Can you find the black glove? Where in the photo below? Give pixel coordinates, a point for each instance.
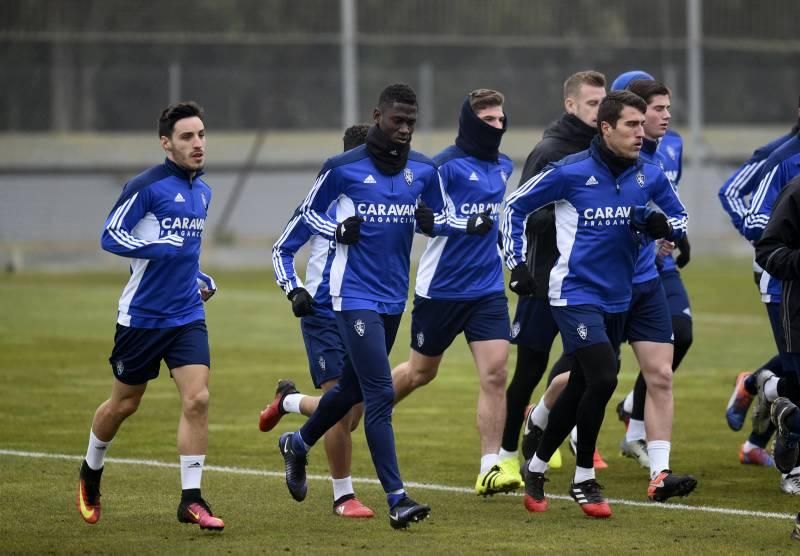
(348, 232)
(302, 302)
(657, 226)
(480, 224)
(522, 282)
(423, 214)
(685, 252)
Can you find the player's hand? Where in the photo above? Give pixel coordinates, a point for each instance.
(302, 305)
(665, 247)
(480, 224)
(348, 232)
(206, 293)
(652, 222)
(423, 214)
(522, 282)
(685, 252)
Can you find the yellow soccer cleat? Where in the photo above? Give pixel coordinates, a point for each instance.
(555, 460)
(510, 466)
(497, 480)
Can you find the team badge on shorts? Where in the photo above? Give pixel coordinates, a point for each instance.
(120, 367)
(583, 332)
(420, 339)
(515, 330)
(321, 363)
(360, 327)
(409, 176)
(640, 179)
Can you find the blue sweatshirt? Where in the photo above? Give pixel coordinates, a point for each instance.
(598, 249)
(158, 222)
(669, 155)
(460, 266)
(373, 273)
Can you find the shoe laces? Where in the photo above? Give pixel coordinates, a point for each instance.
(793, 479)
(592, 490)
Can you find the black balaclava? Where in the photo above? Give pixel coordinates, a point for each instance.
(389, 157)
(476, 137)
(617, 164)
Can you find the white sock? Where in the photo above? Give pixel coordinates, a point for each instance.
(536, 465)
(504, 455)
(627, 404)
(749, 446)
(342, 487)
(794, 471)
(658, 452)
(574, 435)
(635, 431)
(540, 415)
(487, 461)
(771, 389)
(96, 452)
(191, 471)
(291, 403)
(583, 474)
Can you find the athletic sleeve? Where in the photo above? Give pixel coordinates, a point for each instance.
(776, 251)
(664, 196)
(542, 189)
(294, 236)
(206, 281)
(326, 189)
(435, 196)
(732, 195)
(118, 238)
(762, 201)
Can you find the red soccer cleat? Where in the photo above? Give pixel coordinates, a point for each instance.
(351, 506)
(756, 456)
(589, 494)
(88, 501)
(272, 414)
(597, 460)
(199, 512)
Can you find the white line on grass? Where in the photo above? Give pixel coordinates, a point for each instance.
(424, 486)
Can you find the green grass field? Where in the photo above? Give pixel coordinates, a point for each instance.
(55, 337)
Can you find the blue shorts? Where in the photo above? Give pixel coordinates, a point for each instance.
(533, 325)
(677, 298)
(649, 319)
(326, 354)
(435, 323)
(585, 325)
(138, 352)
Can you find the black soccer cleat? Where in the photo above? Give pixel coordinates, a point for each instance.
(295, 467)
(88, 501)
(534, 499)
(406, 511)
(667, 484)
(531, 435)
(589, 495)
(786, 446)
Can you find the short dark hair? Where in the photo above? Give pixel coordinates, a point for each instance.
(647, 89)
(397, 92)
(484, 98)
(611, 107)
(355, 135)
(590, 77)
(175, 112)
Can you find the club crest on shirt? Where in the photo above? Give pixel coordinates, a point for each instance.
(515, 330)
(583, 332)
(321, 363)
(504, 176)
(671, 152)
(409, 176)
(640, 179)
(120, 368)
(360, 327)
(420, 339)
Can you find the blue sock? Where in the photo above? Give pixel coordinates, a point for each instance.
(393, 498)
(298, 444)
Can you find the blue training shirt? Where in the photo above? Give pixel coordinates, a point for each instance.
(158, 222)
(460, 266)
(373, 273)
(597, 247)
(669, 155)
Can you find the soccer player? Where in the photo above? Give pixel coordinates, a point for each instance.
(534, 329)
(599, 195)
(158, 223)
(376, 194)
(326, 354)
(459, 285)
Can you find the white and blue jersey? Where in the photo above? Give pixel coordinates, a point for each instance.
(597, 247)
(373, 273)
(760, 211)
(735, 192)
(158, 222)
(461, 267)
(669, 155)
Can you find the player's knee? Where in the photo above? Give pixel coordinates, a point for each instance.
(421, 376)
(196, 403)
(494, 378)
(682, 328)
(659, 378)
(355, 416)
(121, 409)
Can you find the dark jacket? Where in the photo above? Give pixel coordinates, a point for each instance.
(565, 136)
(778, 252)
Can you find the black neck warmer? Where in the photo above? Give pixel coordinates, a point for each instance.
(616, 164)
(476, 137)
(389, 157)
(649, 146)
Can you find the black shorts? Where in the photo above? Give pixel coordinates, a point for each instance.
(138, 352)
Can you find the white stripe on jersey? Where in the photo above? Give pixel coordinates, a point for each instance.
(316, 263)
(566, 228)
(277, 261)
(428, 264)
(344, 209)
(314, 220)
(138, 266)
(121, 211)
(733, 191)
(758, 197)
